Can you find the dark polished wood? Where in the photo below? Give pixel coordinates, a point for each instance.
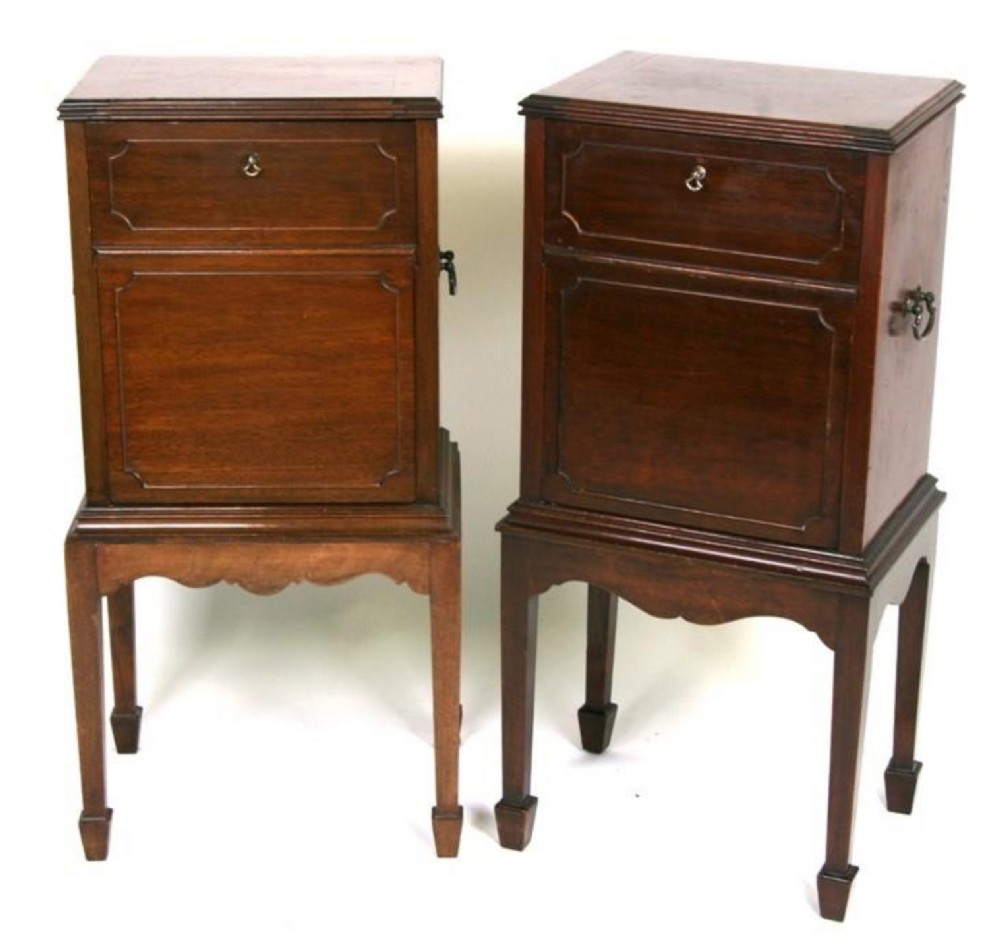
(721, 415)
(337, 184)
(255, 257)
(790, 210)
(86, 629)
(126, 716)
(234, 87)
(668, 577)
(903, 771)
(830, 107)
(638, 349)
(443, 576)
(597, 715)
(329, 415)
(916, 183)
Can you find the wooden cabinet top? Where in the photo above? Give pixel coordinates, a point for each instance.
(856, 110)
(212, 89)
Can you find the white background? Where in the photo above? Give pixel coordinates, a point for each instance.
(283, 790)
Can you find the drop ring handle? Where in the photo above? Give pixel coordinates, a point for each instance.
(920, 307)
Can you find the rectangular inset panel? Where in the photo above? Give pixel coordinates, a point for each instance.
(695, 403)
(640, 193)
(291, 379)
(260, 184)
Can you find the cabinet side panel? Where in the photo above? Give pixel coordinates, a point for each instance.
(88, 331)
(533, 374)
(426, 315)
(916, 211)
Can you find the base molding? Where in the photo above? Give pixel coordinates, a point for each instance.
(819, 567)
(290, 522)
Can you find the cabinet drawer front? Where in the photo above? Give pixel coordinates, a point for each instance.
(769, 208)
(702, 405)
(254, 184)
(286, 379)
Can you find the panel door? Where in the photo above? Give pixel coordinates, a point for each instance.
(272, 378)
(712, 402)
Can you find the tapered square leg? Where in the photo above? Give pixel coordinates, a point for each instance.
(126, 716)
(446, 630)
(903, 770)
(851, 672)
(597, 716)
(515, 812)
(86, 634)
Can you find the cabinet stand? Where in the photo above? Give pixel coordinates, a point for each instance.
(665, 570)
(732, 280)
(263, 550)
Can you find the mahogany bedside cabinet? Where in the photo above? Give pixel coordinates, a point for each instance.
(731, 305)
(256, 268)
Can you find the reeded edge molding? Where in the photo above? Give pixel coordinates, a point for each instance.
(838, 570)
(741, 126)
(210, 110)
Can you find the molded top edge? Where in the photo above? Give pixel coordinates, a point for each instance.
(865, 111)
(124, 87)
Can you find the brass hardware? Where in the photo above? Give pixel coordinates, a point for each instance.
(913, 313)
(251, 165)
(448, 266)
(696, 179)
